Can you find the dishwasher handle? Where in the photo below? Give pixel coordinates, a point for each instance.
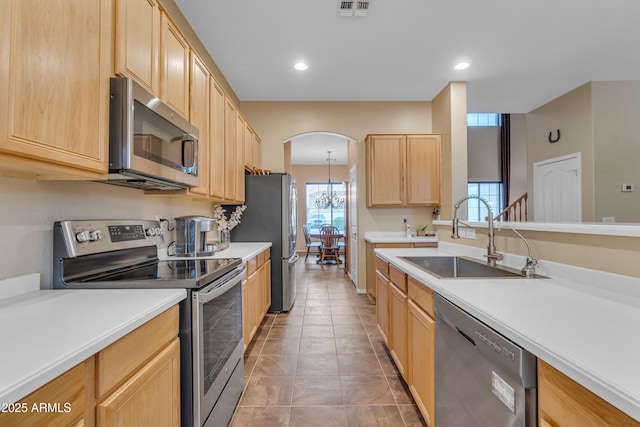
(467, 337)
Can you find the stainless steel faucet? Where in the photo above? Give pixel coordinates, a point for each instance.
(492, 255)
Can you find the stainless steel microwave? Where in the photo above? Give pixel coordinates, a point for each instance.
(151, 146)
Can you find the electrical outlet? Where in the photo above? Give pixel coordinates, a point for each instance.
(471, 233)
(158, 217)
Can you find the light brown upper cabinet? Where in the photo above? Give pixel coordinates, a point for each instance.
(230, 149)
(174, 70)
(249, 140)
(200, 117)
(257, 152)
(217, 141)
(137, 42)
(55, 63)
(239, 168)
(403, 170)
(151, 49)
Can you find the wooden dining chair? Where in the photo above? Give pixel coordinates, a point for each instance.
(309, 243)
(329, 248)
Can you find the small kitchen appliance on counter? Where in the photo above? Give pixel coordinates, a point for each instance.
(124, 254)
(191, 235)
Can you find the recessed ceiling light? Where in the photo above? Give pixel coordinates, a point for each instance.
(462, 66)
(301, 66)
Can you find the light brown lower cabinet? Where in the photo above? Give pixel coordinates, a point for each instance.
(398, 328)
(256, 294)
(563, 402)
(421, 340)
(398, 319)
(148, 398)
(372, 263)
(382, 305)
(67, 391)
(133, 382)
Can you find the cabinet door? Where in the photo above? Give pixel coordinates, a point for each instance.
(421, 346)
(67, 391)
(257, 152)
(398, 328)
(249, 140)
(563, 402)
(385, 172)
(137, 42)
(217, 142)
(239, 169)
(423, 170)
(230, 176)
(174, 78)
(382, 305)
(55, 63)
(246, 314)
(200, 116)
(267, 285)
(150, 397)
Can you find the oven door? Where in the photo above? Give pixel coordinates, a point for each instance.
(217, 344)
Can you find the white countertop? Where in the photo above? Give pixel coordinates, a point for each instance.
(396, 237)
(244, 250)
(47, 332)
(583, 322)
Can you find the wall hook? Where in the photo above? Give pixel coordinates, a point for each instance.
(557, 138)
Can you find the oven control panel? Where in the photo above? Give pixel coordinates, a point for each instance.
(84, 237)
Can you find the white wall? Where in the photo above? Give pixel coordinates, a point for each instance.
(29, 209)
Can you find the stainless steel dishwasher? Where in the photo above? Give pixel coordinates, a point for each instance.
(482, 378)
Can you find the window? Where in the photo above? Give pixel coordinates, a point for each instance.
(316, 216)
(492, 192)
(483, 119)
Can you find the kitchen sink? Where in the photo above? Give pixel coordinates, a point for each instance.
(455, 267)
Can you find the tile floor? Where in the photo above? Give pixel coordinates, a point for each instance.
(323, 363)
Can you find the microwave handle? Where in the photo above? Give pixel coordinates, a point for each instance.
(185, 140)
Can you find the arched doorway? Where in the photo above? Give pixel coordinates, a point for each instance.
(320, 162)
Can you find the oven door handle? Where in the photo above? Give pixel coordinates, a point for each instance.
(215, 290)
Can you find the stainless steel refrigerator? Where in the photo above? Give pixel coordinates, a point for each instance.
(271, 216)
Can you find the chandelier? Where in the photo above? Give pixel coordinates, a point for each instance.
(330, 198)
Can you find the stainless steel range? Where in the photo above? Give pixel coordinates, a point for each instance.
(124, 254)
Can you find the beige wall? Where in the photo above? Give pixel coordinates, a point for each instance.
(571, 113)
(616, 110)
(450, 120)
(29, 209)
(276, 122)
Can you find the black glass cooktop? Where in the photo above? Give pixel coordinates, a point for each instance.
(178, 273)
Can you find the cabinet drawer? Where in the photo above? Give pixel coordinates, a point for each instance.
(382, 266)
(67, 391)
(252, 265)
(421, 295)
(129, 353)
(398, 278)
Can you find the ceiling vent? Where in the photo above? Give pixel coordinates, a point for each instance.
(353, 8)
